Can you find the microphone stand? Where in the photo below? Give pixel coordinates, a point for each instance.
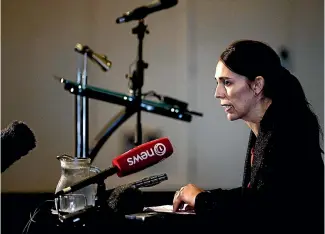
(81, 112)
(137, 78)
(168, 107)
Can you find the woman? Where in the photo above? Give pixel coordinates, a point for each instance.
(282, 187)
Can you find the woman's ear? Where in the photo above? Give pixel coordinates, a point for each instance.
(258, 85)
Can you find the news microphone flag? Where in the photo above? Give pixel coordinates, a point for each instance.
(132, 161)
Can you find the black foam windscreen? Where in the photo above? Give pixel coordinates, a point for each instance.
(16, 141)
(125, 199)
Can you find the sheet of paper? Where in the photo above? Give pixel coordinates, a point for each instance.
(169, 209)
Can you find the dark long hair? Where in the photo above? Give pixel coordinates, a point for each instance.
(251, 58)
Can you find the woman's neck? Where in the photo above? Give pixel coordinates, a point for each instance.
(258, 113)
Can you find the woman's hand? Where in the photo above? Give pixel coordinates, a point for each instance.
(187, 195)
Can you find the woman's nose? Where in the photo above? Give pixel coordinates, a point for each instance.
(219, 93)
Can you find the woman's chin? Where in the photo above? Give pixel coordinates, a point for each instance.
(232, 117)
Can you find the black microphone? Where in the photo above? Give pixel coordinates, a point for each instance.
(16, 141)
(150, 181)
(120, 201)
(125, 199)
(145, 182)
(101, 60)
(128, 198)
(143, 11)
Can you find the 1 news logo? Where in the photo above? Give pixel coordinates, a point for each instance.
(159, 149)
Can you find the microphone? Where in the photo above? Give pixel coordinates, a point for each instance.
(150, 181)
(128, 198)
(121, 200)
(143, 11)
(145, 182)
(101, 60)
(125, 199)
(16, 141)
(132, 161)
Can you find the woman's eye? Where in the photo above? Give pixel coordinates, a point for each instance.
(227, 83)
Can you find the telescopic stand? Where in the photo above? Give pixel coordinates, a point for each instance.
(137, 78)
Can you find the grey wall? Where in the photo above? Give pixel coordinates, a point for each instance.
(182, 48)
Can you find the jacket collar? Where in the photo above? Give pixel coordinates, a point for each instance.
(261, 146)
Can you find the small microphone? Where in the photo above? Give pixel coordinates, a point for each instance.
(150, 181)
(143, 11)
(132, 161)
(16, 141)
(101, 60)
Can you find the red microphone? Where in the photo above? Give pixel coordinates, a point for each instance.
(143, 156)
(132, 161)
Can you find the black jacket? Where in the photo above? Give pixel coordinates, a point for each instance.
(286, 178)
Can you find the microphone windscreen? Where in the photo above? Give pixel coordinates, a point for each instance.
(143, 156)
(16, 141)
(125, 199)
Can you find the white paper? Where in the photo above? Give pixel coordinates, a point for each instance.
(168, 209)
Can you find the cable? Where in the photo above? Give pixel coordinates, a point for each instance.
(153, 94)
(129, 76)
(32, 216)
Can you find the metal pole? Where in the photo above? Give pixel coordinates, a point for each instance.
(81, 111)
(85, 125)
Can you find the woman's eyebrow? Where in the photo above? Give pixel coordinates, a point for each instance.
(223, 78)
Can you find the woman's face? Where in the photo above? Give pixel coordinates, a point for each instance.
(235, 93)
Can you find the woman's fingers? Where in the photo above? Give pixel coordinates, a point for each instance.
(177, 201)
